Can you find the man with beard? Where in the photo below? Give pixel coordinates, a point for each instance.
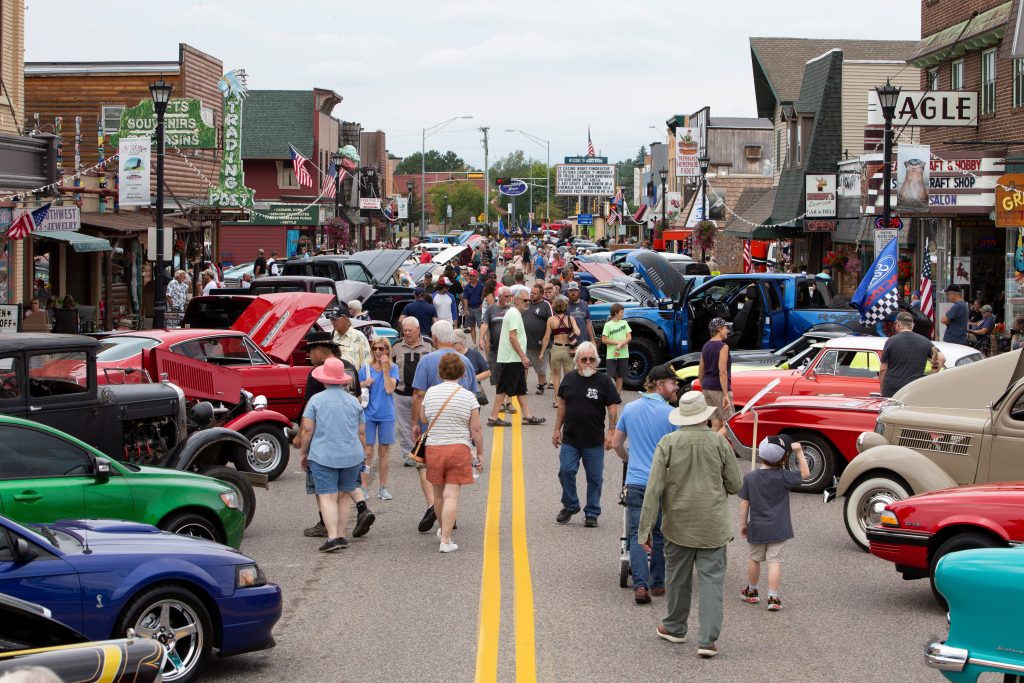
(490, 335)
(406, 354)
(580, 311)
(535, 319)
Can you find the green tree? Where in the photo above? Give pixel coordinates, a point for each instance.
(466, 199)
(434, 161)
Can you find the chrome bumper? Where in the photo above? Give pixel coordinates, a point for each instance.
(940, 656)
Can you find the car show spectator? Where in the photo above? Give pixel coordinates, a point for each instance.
(535, 320)
(955, 318)
(512, 365)
(259, 266)
(715, 372)
(560, 335)
(580, 312)
(352, 344)
(177, 298)
(615, 335)
(420, 309)
(444, 302)
(406, 355)
(380, 377)
(905, 356)
(490, 334)
(209, 282)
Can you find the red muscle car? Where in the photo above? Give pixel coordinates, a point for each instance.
(918, 531)
(846, 366)
(826, 427)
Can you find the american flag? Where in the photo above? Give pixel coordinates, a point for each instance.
(299, 165)
(590, 144)
(927, 300)
(391, 211)
(748, 261)
(329, 181)
(25, 224)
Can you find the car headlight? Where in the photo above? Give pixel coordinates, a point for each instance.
(259, 403)
(888, 518)
(230, 499)
(249, 576)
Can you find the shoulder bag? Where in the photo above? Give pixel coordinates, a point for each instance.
(419, 449)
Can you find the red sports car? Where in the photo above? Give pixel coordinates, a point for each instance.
(916, 532)
(827, 428)
(845, 366)
(264, 349)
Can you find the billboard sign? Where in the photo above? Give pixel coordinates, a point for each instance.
(595, 180)
(933, 108)
(820, 195)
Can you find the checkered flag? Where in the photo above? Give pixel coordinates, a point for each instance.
(886, 305)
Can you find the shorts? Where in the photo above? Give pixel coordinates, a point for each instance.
(538, 273)
(382, 432)
(327, 480)
(616, 367)
(561, 358)
(766, 552)
(449, 464)
(714, 398)
(511, 379)
(476, 315)
(539, 362)
(492, 362)
(310, 486)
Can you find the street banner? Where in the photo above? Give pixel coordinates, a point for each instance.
(585, 180)
(877, 295)
(687, 140)
(403, 207)
(820, 195)
(913, 171)
(674, 206)
(369, 202)
(133, 168)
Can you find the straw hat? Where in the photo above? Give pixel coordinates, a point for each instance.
(692, 410)
(331, 372)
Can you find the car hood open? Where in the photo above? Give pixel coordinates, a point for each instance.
(974, 386)
(603, 272)
(664, 281)
(443, 257)
(279, 322)
(382, 263)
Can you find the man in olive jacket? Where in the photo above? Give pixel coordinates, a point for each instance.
(693, 474)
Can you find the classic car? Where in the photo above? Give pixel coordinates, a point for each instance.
(961, 426)
(917, 532)
(102, 577)
(53, 379)
(982, 589)
(29, 637)
(845, 366)
(827, 427)
(46, 475)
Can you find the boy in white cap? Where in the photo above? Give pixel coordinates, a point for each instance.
(764, 513)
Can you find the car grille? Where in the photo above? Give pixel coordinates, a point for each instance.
(943, 442)
(232, 282)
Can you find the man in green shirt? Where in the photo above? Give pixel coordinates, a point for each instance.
(693, 474)
(512, 364)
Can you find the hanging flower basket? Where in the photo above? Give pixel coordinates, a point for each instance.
(834, 259)
(704, 235)
(853, 265)
(906, 269)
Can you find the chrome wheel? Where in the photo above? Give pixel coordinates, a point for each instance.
(197, 530)
(815, 461)
(265, 454)
(177, 627)
(866, 501)
(872, 503)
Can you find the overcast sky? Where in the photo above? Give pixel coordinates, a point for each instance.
(549, 67)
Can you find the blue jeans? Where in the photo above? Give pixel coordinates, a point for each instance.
(593, 464)
(654, 577)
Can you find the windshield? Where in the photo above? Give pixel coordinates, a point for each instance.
(119, 348)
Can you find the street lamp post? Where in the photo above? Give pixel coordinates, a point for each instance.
(704, 162)
(337, 158)
(409, 185)
(664, 204)
(887, 96)
(423, 169)
(547, 171)
(161, 93)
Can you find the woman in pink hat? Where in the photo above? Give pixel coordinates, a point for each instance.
(332, 444)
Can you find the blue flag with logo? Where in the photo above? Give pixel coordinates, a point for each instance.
(501, 228)
(877, 296)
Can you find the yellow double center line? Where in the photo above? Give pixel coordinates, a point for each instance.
(490, 585)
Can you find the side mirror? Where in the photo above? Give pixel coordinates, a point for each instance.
(23, 552)
(102, 470)
(812, 375)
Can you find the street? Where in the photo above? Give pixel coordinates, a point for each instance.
(392, 608)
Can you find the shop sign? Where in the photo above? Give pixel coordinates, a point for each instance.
(6, 217)
(183, 124)
(883, 237)
(1009, 201)
(231, 191)
(960, 184)
(62, 219)
(513, 188)
(913, 170)
(687, 141)
(133, 167)
(819, 226)
(369, 202)
(895, 223)
(820, 195)
(961, 270)
(10, 318)
(928, 108)
(586, 160)
(279, 213)
(585, 180)
(988, 242)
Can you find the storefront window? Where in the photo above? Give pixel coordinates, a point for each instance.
(42, 286)
(5, 271)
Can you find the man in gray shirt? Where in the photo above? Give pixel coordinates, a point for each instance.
(904, 356)
(535, 320)
(955, 318)
(579, 310)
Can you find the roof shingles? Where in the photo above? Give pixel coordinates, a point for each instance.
(271, 119)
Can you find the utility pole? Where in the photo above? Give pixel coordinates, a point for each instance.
(487, 183)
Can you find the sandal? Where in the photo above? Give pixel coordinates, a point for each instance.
(534, 420)
(540, 389)
(509, 408)
(498, 422)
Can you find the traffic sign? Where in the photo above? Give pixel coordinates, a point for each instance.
(585, 219)
(895, 223)
(475, 176)
(513, 187)
(501, 181)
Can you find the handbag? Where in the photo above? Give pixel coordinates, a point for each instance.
(481, 397)
(419, 449)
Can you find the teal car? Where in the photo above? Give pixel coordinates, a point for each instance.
(47, 475)
(983, 590)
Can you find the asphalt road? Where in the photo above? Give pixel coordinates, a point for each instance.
(392, 608)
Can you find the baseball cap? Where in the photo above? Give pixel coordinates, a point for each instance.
(442, 282)
(718, 323)
(905, 318)
(661, 372)
(340, 313)
(774, 448)
(573, 285)
(419, 291)
(953, 288)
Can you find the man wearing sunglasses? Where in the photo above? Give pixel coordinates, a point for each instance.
(587, 395)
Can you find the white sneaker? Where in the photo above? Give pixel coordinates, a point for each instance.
(448, 547)
(384, 494)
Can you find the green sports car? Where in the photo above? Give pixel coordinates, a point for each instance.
(46, 475)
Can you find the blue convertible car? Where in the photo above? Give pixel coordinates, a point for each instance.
(104, 577)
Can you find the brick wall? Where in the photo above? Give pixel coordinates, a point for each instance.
(12, 65)
(728, 250)
(939, 14)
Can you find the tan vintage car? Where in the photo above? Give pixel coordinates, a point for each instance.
(961, 426)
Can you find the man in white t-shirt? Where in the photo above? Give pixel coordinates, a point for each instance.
(209, 282)
(444, 303)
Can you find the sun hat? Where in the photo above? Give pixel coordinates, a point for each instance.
(692, 410)
(331, 372)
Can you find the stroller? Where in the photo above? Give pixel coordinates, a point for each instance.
(625, 567)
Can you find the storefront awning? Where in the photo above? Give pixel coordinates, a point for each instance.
(129, 221)
(81, 243)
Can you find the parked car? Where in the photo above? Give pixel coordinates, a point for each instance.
(953, 428)
(917, 532)
(233, 276)
(46, 475)
(52, 379)
(982, 588)
(29, 637)
(103, 577)
(844, 366)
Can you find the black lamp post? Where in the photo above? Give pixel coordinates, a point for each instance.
(408, 217)
(161, 93)
(704, 162)
(446, 214)
(336, 159)
(664, 204)
(887, 96)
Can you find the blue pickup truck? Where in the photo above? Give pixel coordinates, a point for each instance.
(768, 310)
